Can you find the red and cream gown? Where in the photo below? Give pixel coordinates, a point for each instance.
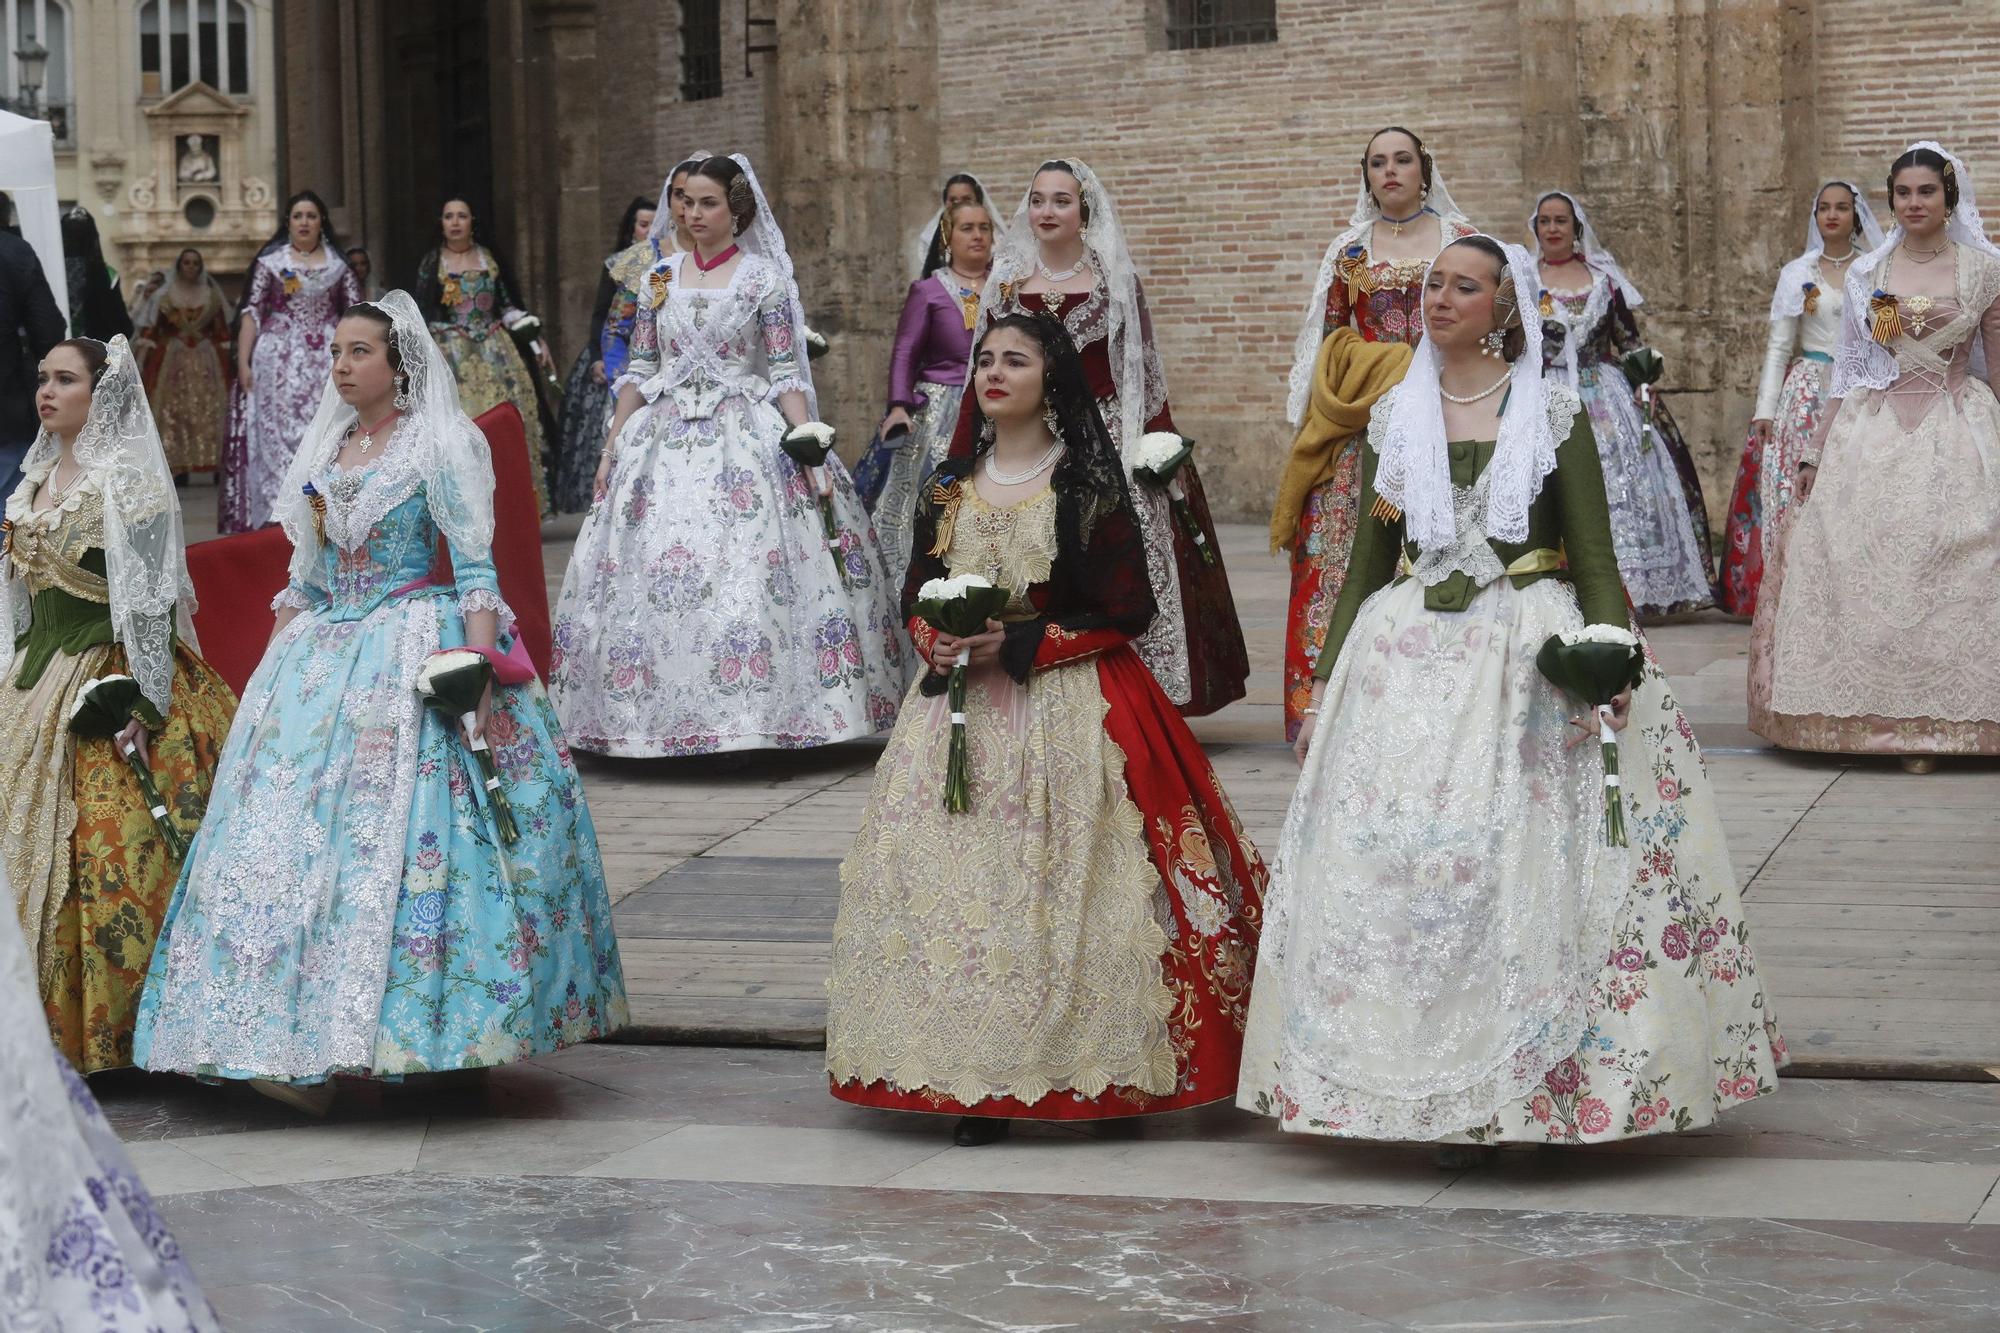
(1194, 646)
(1382, 300)
(1080, 943)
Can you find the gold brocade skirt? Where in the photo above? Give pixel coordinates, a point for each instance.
(91, 875)
(491, 372)
(191, 403)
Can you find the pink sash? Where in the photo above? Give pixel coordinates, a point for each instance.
(509, 668)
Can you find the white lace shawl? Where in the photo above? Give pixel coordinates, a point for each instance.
(1863, 363)
(1408, 434)
(1789, 300)
(435, 446)
(145, 553)
(1135, 360)
(1360, 231)
(1597, 256)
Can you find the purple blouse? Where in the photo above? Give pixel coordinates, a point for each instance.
(932, 342)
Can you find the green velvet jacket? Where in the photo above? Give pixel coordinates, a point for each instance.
(61, 622)
(1569, 515)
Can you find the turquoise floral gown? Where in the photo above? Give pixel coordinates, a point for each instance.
(347, 905)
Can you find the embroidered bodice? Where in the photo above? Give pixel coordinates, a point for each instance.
(471, 300)
(1381, 299)
(702, 347)
(284, 294)
(1012, 545)
(61, 546)
(381, 538)
(1598, 322)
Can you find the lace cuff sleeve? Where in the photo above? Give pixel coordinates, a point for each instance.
(486, 599)
(294, 597)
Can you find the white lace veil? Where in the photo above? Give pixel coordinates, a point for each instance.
(765, 239)
(145, 554)
(435, 446)
(1360, 231)
(663, 211)
(1597, 256)
(1863, 363)
(1135, 361)
(918, 249)
(1789, 300)
(1413, 472)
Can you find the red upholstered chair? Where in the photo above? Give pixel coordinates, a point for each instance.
(236, 577)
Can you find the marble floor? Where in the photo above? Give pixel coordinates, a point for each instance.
(623, 1187)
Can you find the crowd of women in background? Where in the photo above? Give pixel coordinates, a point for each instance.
(1474, 931)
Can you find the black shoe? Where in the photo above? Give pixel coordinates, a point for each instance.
(976, 1130)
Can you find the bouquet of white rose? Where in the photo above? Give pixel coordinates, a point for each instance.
(451, 683)
(104, 707)
(1596, 663)
(1158, 461)
(960, 607)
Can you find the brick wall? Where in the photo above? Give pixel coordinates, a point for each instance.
(1231, 169)
(1891, 71)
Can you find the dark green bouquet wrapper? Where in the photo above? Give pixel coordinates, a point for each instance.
(1644, 368)
(453, 692)
(810, 454)
(102, 709)
(1166, 475)
(961, 615)
(1596, 673)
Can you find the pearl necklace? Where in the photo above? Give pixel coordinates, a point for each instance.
(1041, 465)
(1487, 392)
(1067, 273)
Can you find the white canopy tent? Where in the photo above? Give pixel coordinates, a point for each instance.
(28, 176)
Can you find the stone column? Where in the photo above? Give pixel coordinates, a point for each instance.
(1686, 127)
(572, 255)
(854, 151)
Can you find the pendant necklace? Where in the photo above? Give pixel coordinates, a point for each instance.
(1925, 256)
(1040, 465)
(1396, 225)
(1066, 274)
(368, 435)
(1487, 392)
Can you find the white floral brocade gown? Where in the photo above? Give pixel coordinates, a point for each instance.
(705, 608)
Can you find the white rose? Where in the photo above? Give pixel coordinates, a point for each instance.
(450, 659)
(1156, 447)
(817, 431)
(1600, 634)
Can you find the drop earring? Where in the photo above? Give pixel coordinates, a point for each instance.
(1049, 420)
(402, 393)
(1494, 343)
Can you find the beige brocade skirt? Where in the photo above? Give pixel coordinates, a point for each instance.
(38, 788)
(1014, 949)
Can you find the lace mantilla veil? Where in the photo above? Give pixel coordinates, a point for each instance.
(1789, 300)
(1408, 433)
(1863, 363)
(434, 446)
(1135, 362)
(1597, 257)
(1360, 227)
(145, 552)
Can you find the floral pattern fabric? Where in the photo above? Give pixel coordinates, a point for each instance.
(348, 905)
(705, 608)
(488, 364)
(1676, 1027)
(296, 308)
(82, 1244)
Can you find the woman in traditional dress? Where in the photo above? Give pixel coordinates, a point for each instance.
(1805, 329)
(469, 296)
(628, 269)
(352, 903)
(82, 1244)
(184, 346)
(706, 609)
(363, 265)
(1451, 949)
(1658, 517)
(1367, 281)
(1077, 945)
(1064, 252)
(299, 284)
(587, 391)
(929, 242)
(926, 379)
(1875, 633)
(95, 584)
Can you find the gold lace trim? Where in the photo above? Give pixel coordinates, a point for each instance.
(47, 547)
(1013, 545)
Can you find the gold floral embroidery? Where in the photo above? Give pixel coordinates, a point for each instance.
(657, 283)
